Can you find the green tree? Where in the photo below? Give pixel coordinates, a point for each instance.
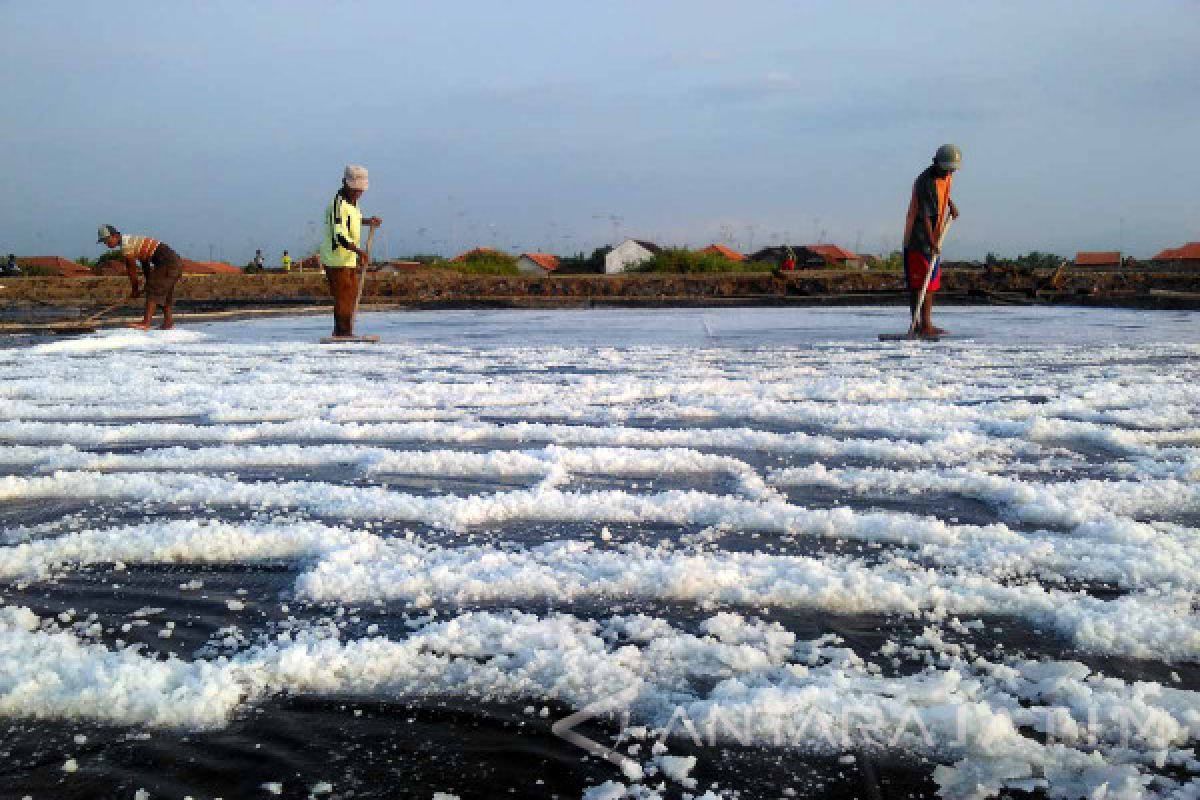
(485, 262)
(683, 261)
(580, 264)
(1038, 260)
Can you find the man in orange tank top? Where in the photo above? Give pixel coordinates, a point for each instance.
(926, 222)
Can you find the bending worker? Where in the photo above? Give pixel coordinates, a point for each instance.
(162, 265)
(341, 247)
(926, 222)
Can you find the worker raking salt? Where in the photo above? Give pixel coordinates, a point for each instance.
(162, 267)
(929, 211)
(342, 253)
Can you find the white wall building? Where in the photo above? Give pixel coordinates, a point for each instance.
(537, 263)
(627, 254)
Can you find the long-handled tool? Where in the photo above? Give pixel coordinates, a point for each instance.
(87, 325)
(362, 275)
(362, 281)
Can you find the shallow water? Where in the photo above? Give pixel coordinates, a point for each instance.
(246, 559)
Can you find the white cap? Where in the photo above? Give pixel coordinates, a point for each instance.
(355, 177)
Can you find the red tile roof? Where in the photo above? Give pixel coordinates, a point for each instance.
(1102, 258)
(209, 268)
(722, 250)
(546, 261)
(831, 252)
(1189, 252)
(112, 266)
(115, 266)
(58, 265)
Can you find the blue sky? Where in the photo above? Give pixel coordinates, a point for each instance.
(221, 127)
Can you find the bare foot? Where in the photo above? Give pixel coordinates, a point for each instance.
(141, 326)
(166, 326)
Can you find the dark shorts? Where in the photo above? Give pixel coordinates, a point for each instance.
(916, 267)
(166, 268)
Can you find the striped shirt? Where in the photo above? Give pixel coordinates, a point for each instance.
(139, 247)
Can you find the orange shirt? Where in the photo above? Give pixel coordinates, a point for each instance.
(930, 198)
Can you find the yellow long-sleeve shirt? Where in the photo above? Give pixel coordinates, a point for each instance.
(343, 225)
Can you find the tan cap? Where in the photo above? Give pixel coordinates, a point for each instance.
(355, 177)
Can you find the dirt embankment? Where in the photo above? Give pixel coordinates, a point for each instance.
(436, 288)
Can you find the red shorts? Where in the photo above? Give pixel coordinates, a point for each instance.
(916, 267)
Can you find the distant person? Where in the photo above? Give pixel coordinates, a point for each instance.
(286, 261)
(341, 247)
(10, 267)
(789, 259)
(258, 260)
(923, 228)
(161, 265)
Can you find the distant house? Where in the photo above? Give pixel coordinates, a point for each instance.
(537, 263)
(724, 252)
(208, 268)
(53, 265)
(775, 256)
(1187, 257)
(834, 256)
(1100, 259)
(116, 267)
(628, 254)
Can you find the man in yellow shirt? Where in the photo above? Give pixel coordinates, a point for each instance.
(286, 261)
(341, 247)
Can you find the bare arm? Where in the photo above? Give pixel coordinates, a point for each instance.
(927, 221)
(131, 269)
(370, 222)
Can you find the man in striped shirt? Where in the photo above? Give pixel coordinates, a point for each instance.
(161, 265)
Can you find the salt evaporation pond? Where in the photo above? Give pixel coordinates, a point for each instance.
(239, 564)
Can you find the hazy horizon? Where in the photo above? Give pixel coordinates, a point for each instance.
(224, 127)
